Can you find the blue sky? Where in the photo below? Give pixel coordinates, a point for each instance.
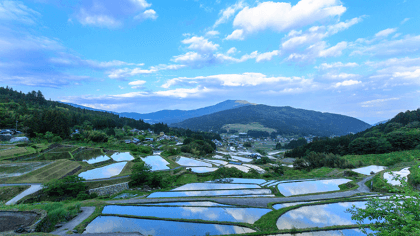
(357, 58)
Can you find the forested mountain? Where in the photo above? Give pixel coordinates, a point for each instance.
(286, 120)
(35, 114)
(174, 116)
(400, 133)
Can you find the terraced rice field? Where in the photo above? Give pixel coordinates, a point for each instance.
(55, 170)
(14, 151)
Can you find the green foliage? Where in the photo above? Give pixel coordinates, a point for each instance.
(172, 151)
(247, 144)
(57, 212)
(68, 186)
(140, 174)
(295, 143)
(139, 149)
(232, 172)
(261, 151)
(317, 160)
(400, 215)
(400, 133)
(199, 147)
(263, 160)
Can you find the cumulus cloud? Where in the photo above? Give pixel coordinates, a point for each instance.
(316, 50)
(236, 35)
(325, 66)
(282, 16)
(112, 14)
(333, 51)
(137, 84)
(341, 76)
(200, 44)
(347, 83)
(267, 56)
(230, 80)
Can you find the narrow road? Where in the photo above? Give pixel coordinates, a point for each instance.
(34, 188)
(256, 202)
(69, 226)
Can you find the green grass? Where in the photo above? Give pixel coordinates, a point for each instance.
(7, 193)
(15, 152)
(243, 128)
(55, 170)
(98, 184)
(172, 163)
(127, 169)
(387, 159)
(187, 178)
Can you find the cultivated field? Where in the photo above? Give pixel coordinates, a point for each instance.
(55, 170)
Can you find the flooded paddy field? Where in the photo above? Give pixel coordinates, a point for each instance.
(236, 214)
(109, 224)
(91, 156)
(122, 156)
(368, 169)
(156, 162)
(104, 172)
(210, 193)
(214, 186)
(306, 187)
(185, 161)
(319, 216)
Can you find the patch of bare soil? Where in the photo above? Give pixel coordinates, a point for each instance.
(11, 220)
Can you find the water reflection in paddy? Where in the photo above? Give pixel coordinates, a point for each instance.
(246, 215)
(389, 176)
(202, 169)
(283, 205)
(212, 186)
(243, 181)
(203, 203)
(156, 162)
(367, 169)
(210, 193)
(342, 232)
(97, 159)
(241, 159)
(108, 224)
(122, 156)
(289, 189)
(218, 162)
(104, 172)
(185, 161)
(319, 216)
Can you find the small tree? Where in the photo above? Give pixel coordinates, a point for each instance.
(140, 174)
(399, 215)
(68, 186)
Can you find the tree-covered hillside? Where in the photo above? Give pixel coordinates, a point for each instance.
(400, 133)
(286, 120)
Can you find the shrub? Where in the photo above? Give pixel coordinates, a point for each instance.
(68, 186)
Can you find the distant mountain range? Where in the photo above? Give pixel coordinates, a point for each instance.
(286, 120)
(174, 116)
(381, 122)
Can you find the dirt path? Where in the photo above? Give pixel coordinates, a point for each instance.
(256, 202)
(69, 226)
(34, 188)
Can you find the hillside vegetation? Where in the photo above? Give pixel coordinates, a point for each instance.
(286, 120)
(400, 133)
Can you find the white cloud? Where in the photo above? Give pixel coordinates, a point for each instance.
(267, 56)
(347, 83)
(231, 80)
(325, 66)
(406, 45)
(16, 11)
(127, 72)
(183, 92)
(408, 74)
(212, 33)
(137, 84)
(377, 102)
(281, 16)
(236, 35)
(341, 76)
(147, 14)
(227, 13)
(200, 44)
(405, 20)
(385, 32)
(112, 14)
(232, 50)
(333, 51)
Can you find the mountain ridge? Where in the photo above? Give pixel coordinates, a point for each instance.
(286, 120)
